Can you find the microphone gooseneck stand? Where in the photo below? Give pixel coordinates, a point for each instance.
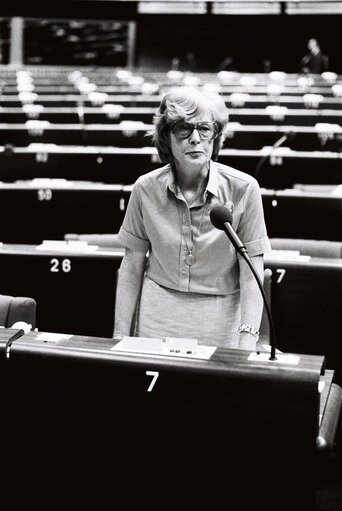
(287, 136)
(221, 218)
(273, 343)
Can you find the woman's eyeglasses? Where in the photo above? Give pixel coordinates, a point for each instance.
(206, 130)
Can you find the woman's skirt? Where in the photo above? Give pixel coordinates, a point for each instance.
(211, 319)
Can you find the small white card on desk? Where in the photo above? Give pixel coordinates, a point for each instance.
(337, 191)
(170, 346)
(181, 343)
(142, 343)
(288, 255)
(67, 246)
(281, 358)
(51, 337)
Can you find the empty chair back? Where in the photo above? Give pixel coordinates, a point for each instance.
(17, 308)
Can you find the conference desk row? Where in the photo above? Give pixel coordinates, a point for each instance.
(50, 208)
(315, 98)
(65, 126)
(45, 73)
(78, 82)
(154, 83)
(142, 422)
(282, 167)
(140, 109)
(74, 286)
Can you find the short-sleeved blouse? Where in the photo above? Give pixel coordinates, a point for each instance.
(159, 221)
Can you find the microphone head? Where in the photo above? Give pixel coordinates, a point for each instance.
(219, 215)
(290, 135)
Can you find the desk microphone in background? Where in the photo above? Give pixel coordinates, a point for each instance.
(221, 218)
(81, 120)
(289, 136)
(8, 149)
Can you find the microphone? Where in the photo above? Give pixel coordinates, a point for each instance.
(221, 218)
(288, 136)
(80, 115)
(8, 149)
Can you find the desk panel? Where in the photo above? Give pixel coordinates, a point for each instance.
(306, 298)
(137, 108)
(307, 138)
(98, 406)
(91, 163)
(109, 164)
(256, 110)
(282, 168)
(50, 209)
(70, 126)
(107, 114)
(295, 214)
(74, 291)
(42, 212)
(300, 117)
(234, 96)
(76, 134)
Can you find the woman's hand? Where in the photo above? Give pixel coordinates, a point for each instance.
(247, 341)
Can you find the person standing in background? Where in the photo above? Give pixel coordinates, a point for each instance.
(314, 61)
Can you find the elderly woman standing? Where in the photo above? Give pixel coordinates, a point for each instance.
(183, 275)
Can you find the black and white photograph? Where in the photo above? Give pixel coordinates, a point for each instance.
(171, 255)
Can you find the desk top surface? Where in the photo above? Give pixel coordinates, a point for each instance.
(222, 361)
(74, 248)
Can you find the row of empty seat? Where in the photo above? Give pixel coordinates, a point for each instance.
(74, 286)
(281, 168)
(69, 130)
(47, 209)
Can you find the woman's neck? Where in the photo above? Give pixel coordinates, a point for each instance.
(192, 179)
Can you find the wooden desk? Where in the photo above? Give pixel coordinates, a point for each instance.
(110, 164)
(96, 126)
(149, 422)
(306, 298)
(49, 209)
(76, 133)
(285, 167)
(307, 138)
(74, 289)
(294, 213)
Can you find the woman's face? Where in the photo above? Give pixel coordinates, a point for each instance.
(195, 150)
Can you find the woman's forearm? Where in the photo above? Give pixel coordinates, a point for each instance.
(127, 292)
(251, 301)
